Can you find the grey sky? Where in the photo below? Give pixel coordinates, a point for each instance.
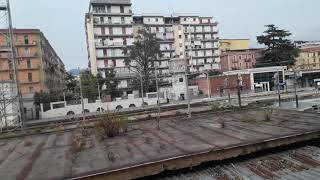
(62, 21)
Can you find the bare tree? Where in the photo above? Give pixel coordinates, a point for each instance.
(142, 57)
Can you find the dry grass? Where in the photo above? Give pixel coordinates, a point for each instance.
(111, 124)
(27, 144)
(268, 114)
(77, 144)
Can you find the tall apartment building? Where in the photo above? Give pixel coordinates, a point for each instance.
(111, 26)
(40, 68)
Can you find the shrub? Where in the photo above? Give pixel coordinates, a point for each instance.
(268, 114)
(111, 124)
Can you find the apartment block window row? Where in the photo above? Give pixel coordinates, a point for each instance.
(111, 9)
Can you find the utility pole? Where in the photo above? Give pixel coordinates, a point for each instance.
(15, 69)
(186, 73)
(277, 79)
(81, 95)
(226, 86)
(295, 89)
(141, 85)
(158, 95)
(239, 85)
(99, 91)
(209, 86)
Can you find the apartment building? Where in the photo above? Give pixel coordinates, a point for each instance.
(309, 58)
(239, 59)
(40, 68)
(111, 26)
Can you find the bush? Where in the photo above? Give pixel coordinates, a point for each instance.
(111, 124)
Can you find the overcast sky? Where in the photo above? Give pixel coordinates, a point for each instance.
(62, 21)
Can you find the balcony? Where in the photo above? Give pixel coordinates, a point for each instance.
(21, 43)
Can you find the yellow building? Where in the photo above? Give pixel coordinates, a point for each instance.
(309, 59)
(234, 44)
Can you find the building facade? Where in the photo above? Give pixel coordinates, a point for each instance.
(111, 27)
(40, 68)
(262, 79)
(234, 44)
(239, 59)
(309, 58)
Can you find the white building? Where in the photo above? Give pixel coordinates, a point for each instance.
(110, 27)
(262, 79)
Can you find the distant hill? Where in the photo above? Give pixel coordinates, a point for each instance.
(74, 72)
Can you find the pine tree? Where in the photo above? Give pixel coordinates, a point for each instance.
(280, 50)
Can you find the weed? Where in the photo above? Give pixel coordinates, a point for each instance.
(111, 156)
(27, 143)
(268, 114)
(110, 125)
(77, 144)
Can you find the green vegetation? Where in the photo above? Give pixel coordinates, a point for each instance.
(280, 50)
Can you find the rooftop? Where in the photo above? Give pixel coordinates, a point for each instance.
(144, 150)
(126, 2)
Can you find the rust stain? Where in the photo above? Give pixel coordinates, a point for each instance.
(28, 167)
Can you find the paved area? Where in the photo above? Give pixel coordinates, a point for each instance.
(53, 156)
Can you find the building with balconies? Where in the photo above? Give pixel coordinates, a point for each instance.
(239, 59)
(111, 27)
(39, 66)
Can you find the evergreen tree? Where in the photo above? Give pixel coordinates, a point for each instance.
(280, 50)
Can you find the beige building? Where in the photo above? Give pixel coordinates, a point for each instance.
(234, 44)
(309, 58)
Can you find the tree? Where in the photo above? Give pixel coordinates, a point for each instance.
(280, 50)
(214, 73)
(89, 86)
(110, 83)
(142, 56)
(71, 83)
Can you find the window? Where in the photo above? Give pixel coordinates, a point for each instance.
(29, 65)
(180, 36)
(10, 65)
(26, 39)
(109, 20)
(17, 38)
(180, 79)
(121, 9)
(27, 52)
(30, 77)
(180, 44)
(109, 9)
(184, 19)
(240, 57)
(122, 20)
(31, 90)
(194, 19)
(123, 30)
(101, 20)
(157, 20)
(11, 76)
